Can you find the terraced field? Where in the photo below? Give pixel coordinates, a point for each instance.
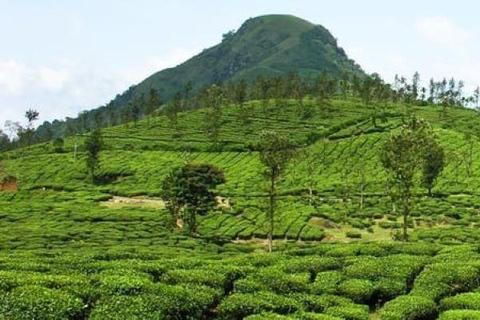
(68, 253)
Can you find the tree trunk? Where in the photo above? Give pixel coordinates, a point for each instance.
(406, 213)
(271, 212)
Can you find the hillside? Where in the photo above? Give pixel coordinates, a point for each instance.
(271, 45)
(71, 249)
(137, 158)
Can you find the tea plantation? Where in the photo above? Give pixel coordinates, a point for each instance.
(71, 250)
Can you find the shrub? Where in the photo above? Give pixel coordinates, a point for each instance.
(240, 305)
(127, 282)
(387, 289)
(353, 235)
(311, 264)
(320, 303)
(279, 282)
(163, 302)
(327, 282)
(469, 300)
(202, 277)
(34, 302)
(408, 308)
(248, 286)
(126, 307)
(268, 316)
(441, 279)
(314, 316)
(349, 312)
(460, 315)
(359, 290)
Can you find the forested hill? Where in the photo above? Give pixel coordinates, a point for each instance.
(271, 45)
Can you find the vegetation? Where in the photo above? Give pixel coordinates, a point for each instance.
(81, 240)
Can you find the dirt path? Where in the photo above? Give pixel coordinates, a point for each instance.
(120, 202)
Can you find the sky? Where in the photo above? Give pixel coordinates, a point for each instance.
(64, 56)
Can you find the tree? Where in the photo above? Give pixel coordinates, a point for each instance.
(31, 115)
(190, 188)
(275, 153)
(433, 165)
(213, 114)
(476, 98)
(172, 110)
(152, 104)
(4, 141)
(402, 156)
(93, 147)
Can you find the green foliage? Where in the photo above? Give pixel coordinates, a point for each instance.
(409, 307)
(93, 146)
(460, 315)
(358, 290)
(35, 302)
(240, 305)
(469, 300)
(189, 188)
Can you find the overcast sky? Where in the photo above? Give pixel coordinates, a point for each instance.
(64, 56)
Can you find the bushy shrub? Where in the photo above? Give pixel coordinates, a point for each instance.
(460, 315)
(319, 303)
(268, 316)
(163, 302)
(359, 290)
(126, 307)
(387, 289)
(35, 302)
(202, 277)
(439, 280)
(240, 305)
(469, 300)
(327, 282)
(353, 235)
(408, 308)
(127, 282)
(248, 285)
(311, 264)
(349, 312)
(314, 316)
(282, 283)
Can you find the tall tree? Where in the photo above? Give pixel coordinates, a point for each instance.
(213, 112)
(403, 155)
(172, 110)
(433, 165)
(93, 147)
(275, 153)
(31, 115)
(152, 104)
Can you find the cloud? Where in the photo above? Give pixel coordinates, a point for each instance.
(66, 88)
(442, 30)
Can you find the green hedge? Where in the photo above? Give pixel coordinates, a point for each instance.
(349, 312)
(460, 315)
(444, 279)
(240, 305)
(163, 302)
(469, 300)
(282, 283)
(359, 290)
(408, 308)
(327, 282)
(34, 302)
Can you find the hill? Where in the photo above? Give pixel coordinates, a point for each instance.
(271, 45)
(75, 250)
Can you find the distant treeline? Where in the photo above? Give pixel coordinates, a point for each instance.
(370, 90)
